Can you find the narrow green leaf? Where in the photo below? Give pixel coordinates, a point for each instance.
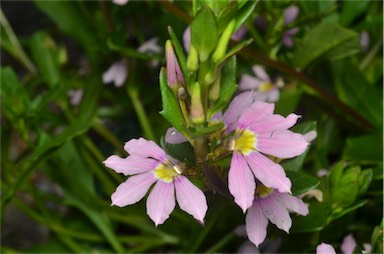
(244, 12)
(204, 33)
(301, 182)
(227, 87)
(321, 40)
(171, 110)
(46, 56)
(68, 17)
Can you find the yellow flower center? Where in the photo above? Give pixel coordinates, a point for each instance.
(167, 172)
(263, 191)
(244, 142)
(266, 86)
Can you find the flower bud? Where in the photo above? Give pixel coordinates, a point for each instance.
(174, 74)
(214, 91)
(193, 59)
(197, 111)
(221, 48)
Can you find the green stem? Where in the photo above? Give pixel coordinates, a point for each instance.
(105, 133)
(140, 112)
(72, 245)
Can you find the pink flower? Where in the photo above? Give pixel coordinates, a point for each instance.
(151, 46)
(325, 248)
(348, 244)
(174, 137)
(274, 206)
(174, 73)
(258, 133)
(75, 96)
(187, 38)
(149, 164)
(117, 73)
(265, 89)
(290, 15)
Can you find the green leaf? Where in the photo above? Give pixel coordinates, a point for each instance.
(351, 10)
(227, 86)
(365, 179)
(314, 221)
(340, 212)
(171, 110)
(207, 130)
(204, 33)
(45, 54)
(182, 152)
(320, 41)
(296, 163)
(353, 89)
(377, 239)
(235, 10)
(70, 19)
(367, 148)
(301, 182)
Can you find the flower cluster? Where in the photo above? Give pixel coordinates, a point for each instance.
(247, 132)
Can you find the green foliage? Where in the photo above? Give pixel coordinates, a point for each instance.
(326, 40)
(204, 43)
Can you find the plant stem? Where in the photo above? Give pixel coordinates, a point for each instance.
(372, 53)
(140, 112)
(105, 133)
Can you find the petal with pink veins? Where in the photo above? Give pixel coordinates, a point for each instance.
(292, 203)
(241, 182)
(258, 111)
(273, 123)
(276, 213)
(145, 148)
(270, 174)
(133, 190)
(236, 107)
(131, 165)
(161, 202)
(281, 144)
(190, 198)
(256, 224)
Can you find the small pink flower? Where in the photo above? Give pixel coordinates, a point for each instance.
(174, 137)
(149, 164)
(117, 73)
(325, 248)
(174, 73)
(151, 46)
(265, 89)
(348, 244)
(258, 132)
(274, 206)
(187, 38)
(75, 96)
(239, 34)
(290, 15)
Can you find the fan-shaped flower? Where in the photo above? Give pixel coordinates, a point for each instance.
(117, 73)
(270, 204)
(257, 133)
(149, 164)
(265, 89)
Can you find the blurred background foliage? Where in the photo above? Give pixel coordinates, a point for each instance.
(55, 191)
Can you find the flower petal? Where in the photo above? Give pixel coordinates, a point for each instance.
(292, 203)
(290, 14)
(174, 137)
(131, 165)
(150, 46)
(161, 202)
(281, 144)
(325, 248)
(133, 190)
(121, 72)
(187, 38)
(276, 213)
(190, 198)
(145, 148)
(270, 174)
(235, 108)
(256, 224)
(273, 123)
(248, 82)
(258, 111)
(241, 182)
(260, 73)
(348, 244)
